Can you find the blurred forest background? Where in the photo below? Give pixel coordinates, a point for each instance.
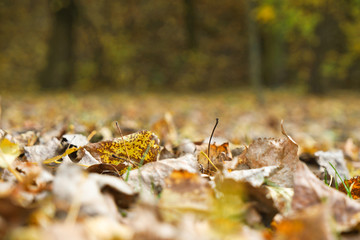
(179, 45)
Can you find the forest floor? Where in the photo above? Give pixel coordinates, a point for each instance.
(37, 205)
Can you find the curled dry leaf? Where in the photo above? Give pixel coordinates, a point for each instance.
(141, 145)
(72, 186)
(309, 191)
(255, 177)
(274, 152)
(218, 154)
(39, 153)
(166, 130)
(336, 158)
(153, 174)
(313, 223)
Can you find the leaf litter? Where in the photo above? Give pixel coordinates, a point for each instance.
(84, 182)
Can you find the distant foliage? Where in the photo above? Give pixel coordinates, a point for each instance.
(188, 45)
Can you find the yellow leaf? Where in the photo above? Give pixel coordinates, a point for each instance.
(8, 152)
(265, 14)
(135, 149)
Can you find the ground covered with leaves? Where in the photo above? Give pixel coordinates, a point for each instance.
(129, 166)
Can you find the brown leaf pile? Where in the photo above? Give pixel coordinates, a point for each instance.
(160, 185)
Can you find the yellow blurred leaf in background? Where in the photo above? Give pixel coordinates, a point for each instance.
(8, 152)
(265, 14)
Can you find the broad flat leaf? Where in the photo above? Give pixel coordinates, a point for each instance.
(309, 191)
(140, 145)
(274, 152)
(195, 193)
(8, 152)
(312, 223)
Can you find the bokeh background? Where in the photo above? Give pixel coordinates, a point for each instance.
(81, 65)
(186, 45)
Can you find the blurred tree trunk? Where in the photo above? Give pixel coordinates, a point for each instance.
(190, 23)
(274, 58)
(59, 69)
(254, 51)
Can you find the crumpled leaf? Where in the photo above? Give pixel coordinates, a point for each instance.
(153, 174)
(74, 140)
(274, 152)
(141, 145)
(166, 130)
(255, 177)
(72, 186)
(309, 191)
(218, 154)
(39, 153)
(8, 152)
(312, 223)
(336, 158)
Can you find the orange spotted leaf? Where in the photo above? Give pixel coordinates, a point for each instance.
(140, 145)
(354, 184)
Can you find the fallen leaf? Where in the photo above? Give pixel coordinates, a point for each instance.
(219, 153)
(130, 150)
(312, 224)
(310, 191)
(153, 175)
(39, 153)
(354, 185)
(8, 152)
(274, 152)
(255, 177)
(195, 193)
(336, 158)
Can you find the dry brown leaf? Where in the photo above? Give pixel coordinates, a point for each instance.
(219, 153)
(153, 175)
(310, 191)
(185, 192)
(274, 152)
(311, 224)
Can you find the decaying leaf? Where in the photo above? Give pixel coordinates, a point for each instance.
(255, 177)
(354, 185)
(39, 153)
(195, 193)
(274, 152)
(126, 151)
(165, 129)
(312, 224)
(336, 158)
(153, 175)
(310, 191)
(218, 154)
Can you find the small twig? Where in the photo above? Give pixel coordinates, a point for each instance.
(212, 133)
(122, 137)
